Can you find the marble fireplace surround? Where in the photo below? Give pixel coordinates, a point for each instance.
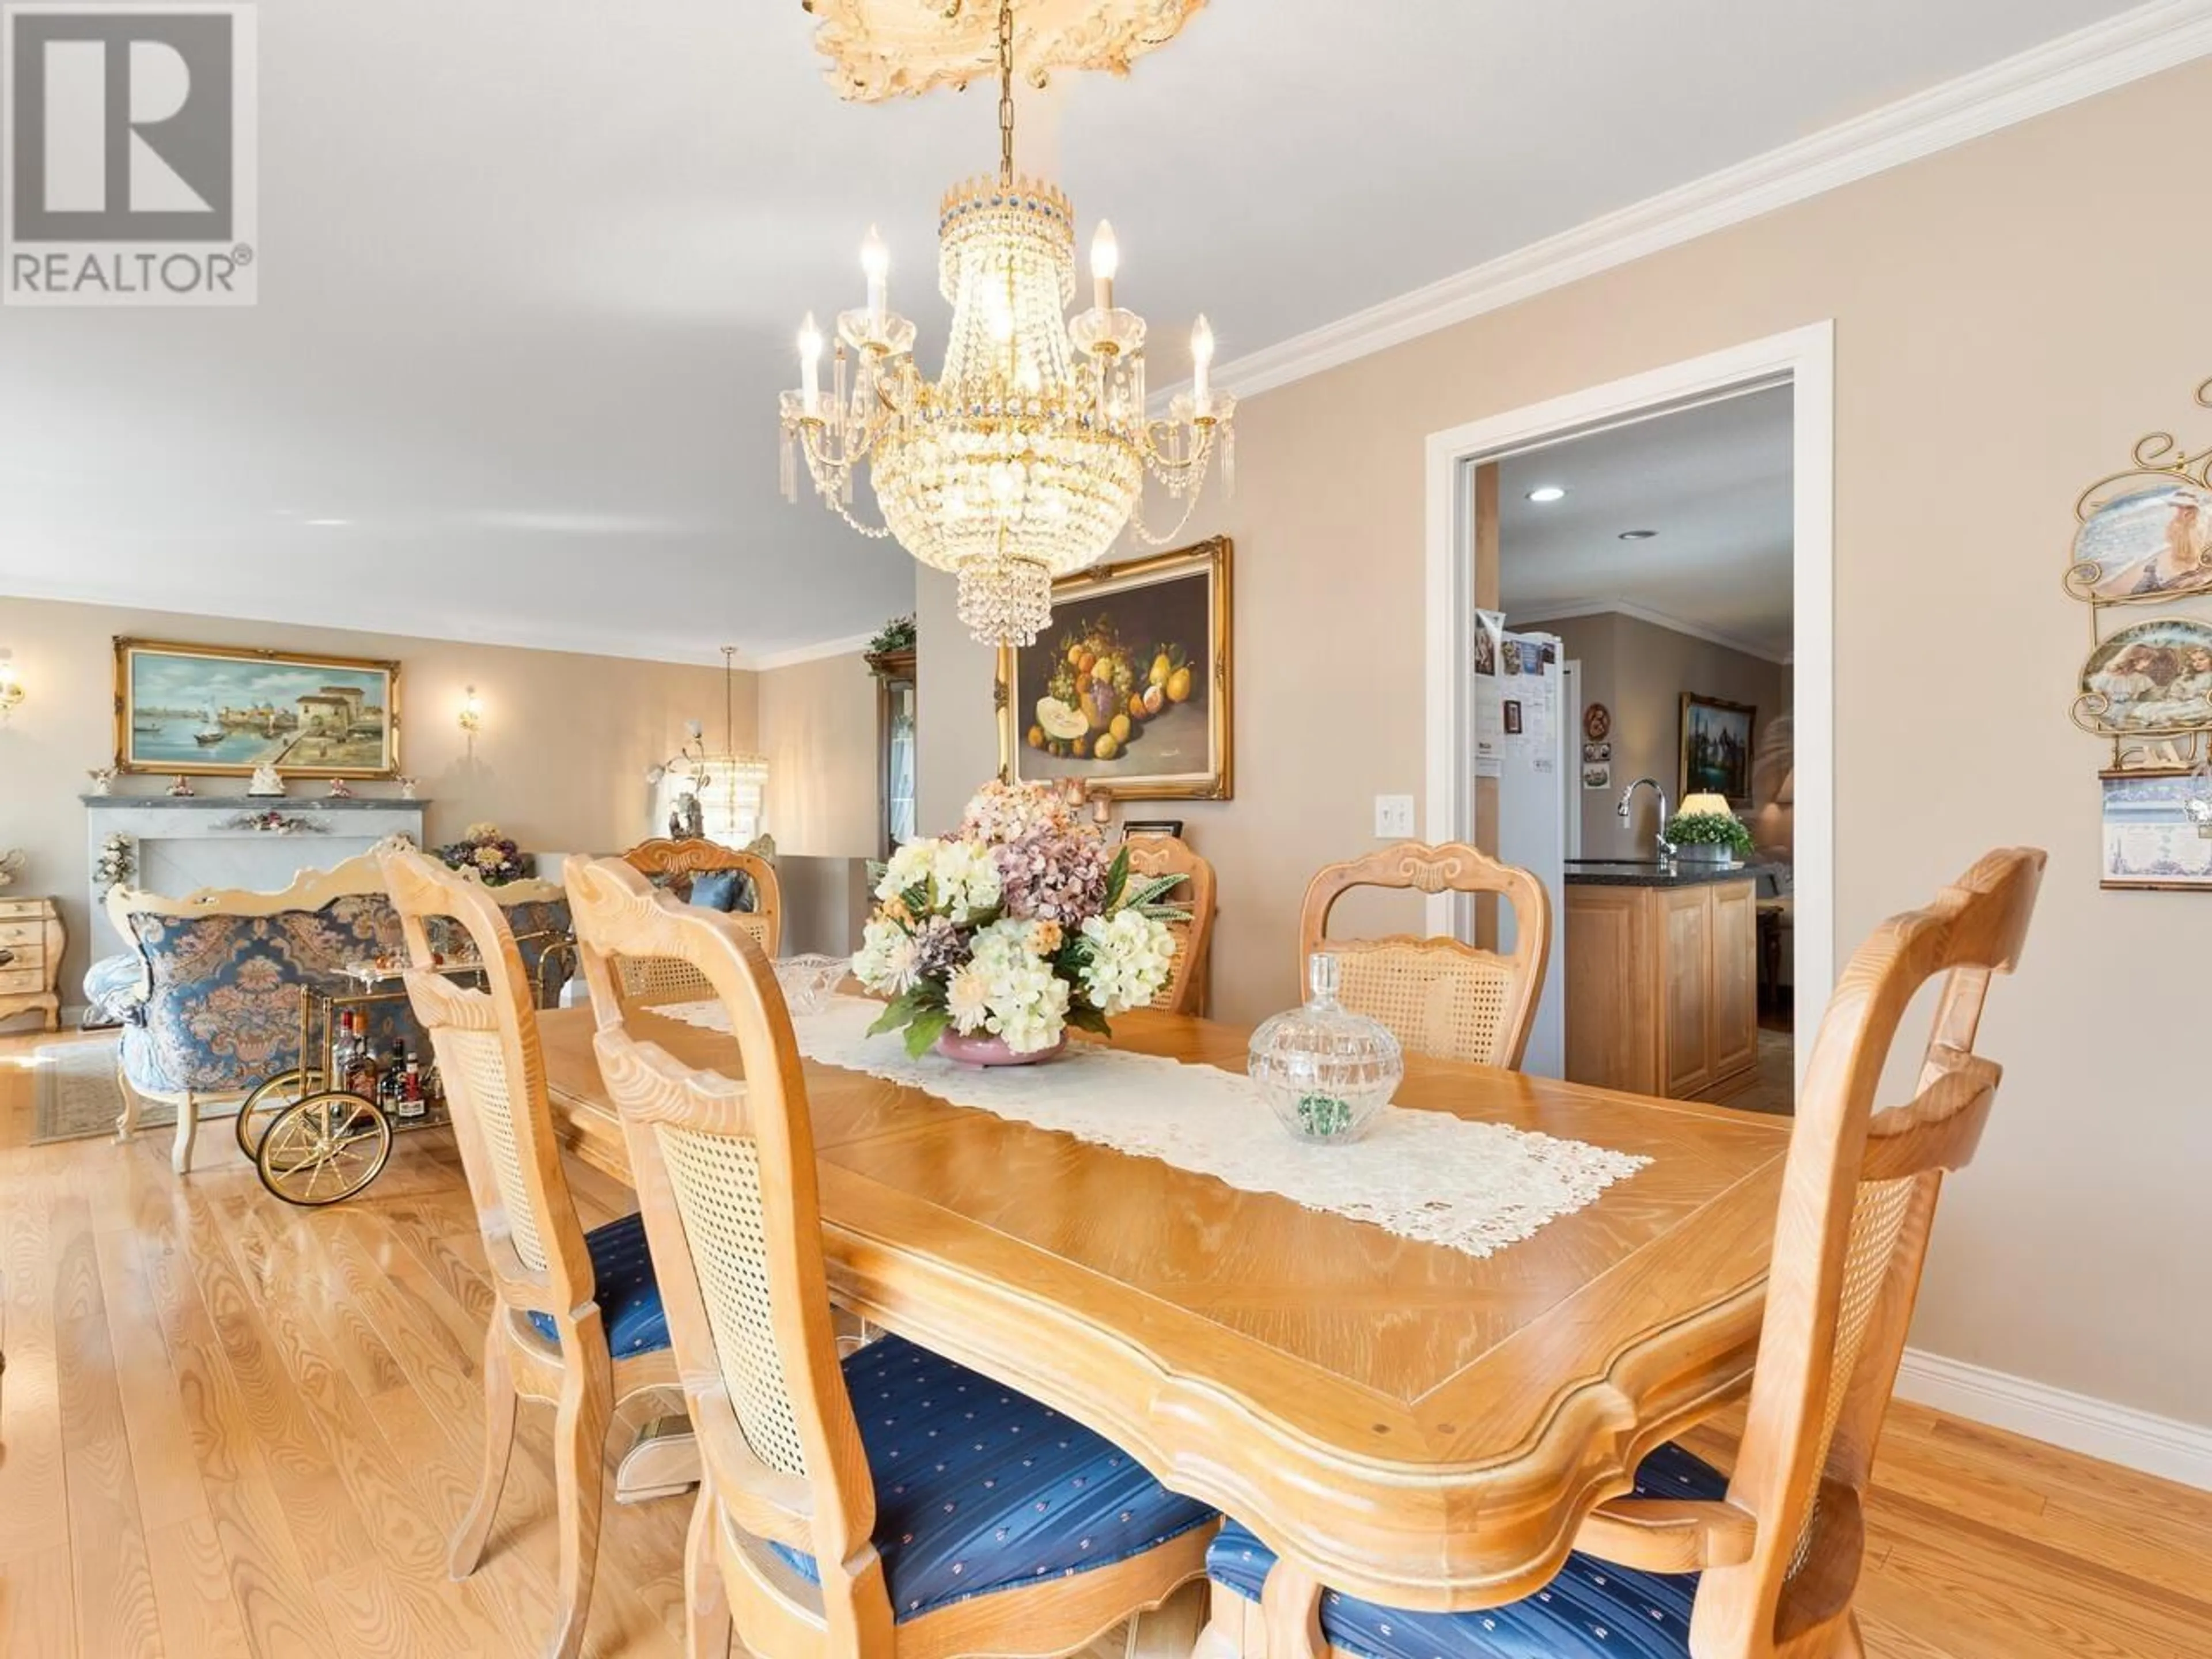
(182, 843)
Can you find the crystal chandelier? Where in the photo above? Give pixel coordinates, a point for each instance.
(713, 796)
(1025, 457)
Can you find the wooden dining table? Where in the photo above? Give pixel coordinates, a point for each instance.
(1401, 1421)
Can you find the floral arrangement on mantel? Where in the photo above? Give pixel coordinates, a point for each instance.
(490, 857)
(117, 860)
(1709, 830)
(993, 941)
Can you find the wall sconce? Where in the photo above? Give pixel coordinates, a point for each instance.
(472, 714)
(11, 687)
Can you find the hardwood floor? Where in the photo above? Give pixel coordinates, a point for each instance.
(228, 1427)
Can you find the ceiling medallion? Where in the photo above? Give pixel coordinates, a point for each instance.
(1026, 458)
(880, 49)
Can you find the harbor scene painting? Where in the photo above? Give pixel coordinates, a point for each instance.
(214, 710)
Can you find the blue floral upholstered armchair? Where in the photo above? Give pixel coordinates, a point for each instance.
(213, 1007)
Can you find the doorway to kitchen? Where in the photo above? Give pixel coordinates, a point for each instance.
(1666, 541)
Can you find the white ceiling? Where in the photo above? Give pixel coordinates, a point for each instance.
(1714, 482)
(531, 270)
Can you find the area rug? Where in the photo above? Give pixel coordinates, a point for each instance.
(74, 1096)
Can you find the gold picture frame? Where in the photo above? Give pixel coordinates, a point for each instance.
(1175, 609)
(1718, 741)
(222, 710)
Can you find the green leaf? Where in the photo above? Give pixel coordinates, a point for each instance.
(1162, 912)
(1150, 889)
(927, 1027)
(1084, 1017)
(901, 1011)
(1117, 876)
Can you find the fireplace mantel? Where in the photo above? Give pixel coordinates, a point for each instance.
(183, 842)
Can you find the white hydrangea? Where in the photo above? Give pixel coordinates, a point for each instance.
(967, 881)
(912, 866)
(1132, 956)
(888, 961)
(1026, 1002)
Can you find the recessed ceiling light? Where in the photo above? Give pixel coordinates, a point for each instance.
(1637, 535)
(1548, 493)
(329, 524)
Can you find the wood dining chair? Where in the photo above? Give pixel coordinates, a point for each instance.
(1187, 989)
(892, 1504)
(1438, 996)
(1763, 1563)
(578, 1321)
(681, 868)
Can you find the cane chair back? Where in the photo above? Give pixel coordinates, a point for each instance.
(671, 865)
(726, 1177)
(1858, 1198)
(1438, 996)
(486, 1044)
(1187, 987)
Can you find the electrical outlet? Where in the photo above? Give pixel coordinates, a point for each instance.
(1393, 818)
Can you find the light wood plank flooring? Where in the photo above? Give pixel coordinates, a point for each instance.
(232, 1427)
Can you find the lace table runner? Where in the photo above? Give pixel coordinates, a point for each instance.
(1426, 1176)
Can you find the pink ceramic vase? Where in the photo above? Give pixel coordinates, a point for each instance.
(991, 1050)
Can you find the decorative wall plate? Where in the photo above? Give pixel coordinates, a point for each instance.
(2150, 542)
(880, 49)
(2152, 679)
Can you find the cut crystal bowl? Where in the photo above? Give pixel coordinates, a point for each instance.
(1325, 1070)
(809, 981)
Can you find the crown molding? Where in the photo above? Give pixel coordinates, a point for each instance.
(1644, 613)
(2143, 42)
(851, 645)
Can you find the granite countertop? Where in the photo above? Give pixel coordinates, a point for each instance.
(1634, 872)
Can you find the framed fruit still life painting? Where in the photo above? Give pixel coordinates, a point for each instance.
(1128, 687)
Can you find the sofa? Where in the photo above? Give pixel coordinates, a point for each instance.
(210, 996)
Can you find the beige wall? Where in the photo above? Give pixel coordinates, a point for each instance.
(559, 762)
(1643, 670)
(2004, 334)
(817, 728)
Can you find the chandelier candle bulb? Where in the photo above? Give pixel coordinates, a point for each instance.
(876, 261)
(1201, 364)
(1105, 263)
(810, 366)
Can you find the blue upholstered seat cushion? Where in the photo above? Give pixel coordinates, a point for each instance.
(1592, 1610)
(627, 1294)
(980, 1488)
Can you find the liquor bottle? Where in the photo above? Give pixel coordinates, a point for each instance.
(388, 1086)
(412, 1104)
(360, 1077)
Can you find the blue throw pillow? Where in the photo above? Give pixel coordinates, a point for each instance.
(716, 889)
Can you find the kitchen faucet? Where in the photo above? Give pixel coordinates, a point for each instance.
(1666, 846)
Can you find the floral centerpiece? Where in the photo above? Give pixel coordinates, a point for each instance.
(490, 857)
(1002, 936)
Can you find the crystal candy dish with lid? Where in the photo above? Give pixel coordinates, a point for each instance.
(1325, 1070)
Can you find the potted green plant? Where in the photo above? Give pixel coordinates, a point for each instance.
(1707, 837)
